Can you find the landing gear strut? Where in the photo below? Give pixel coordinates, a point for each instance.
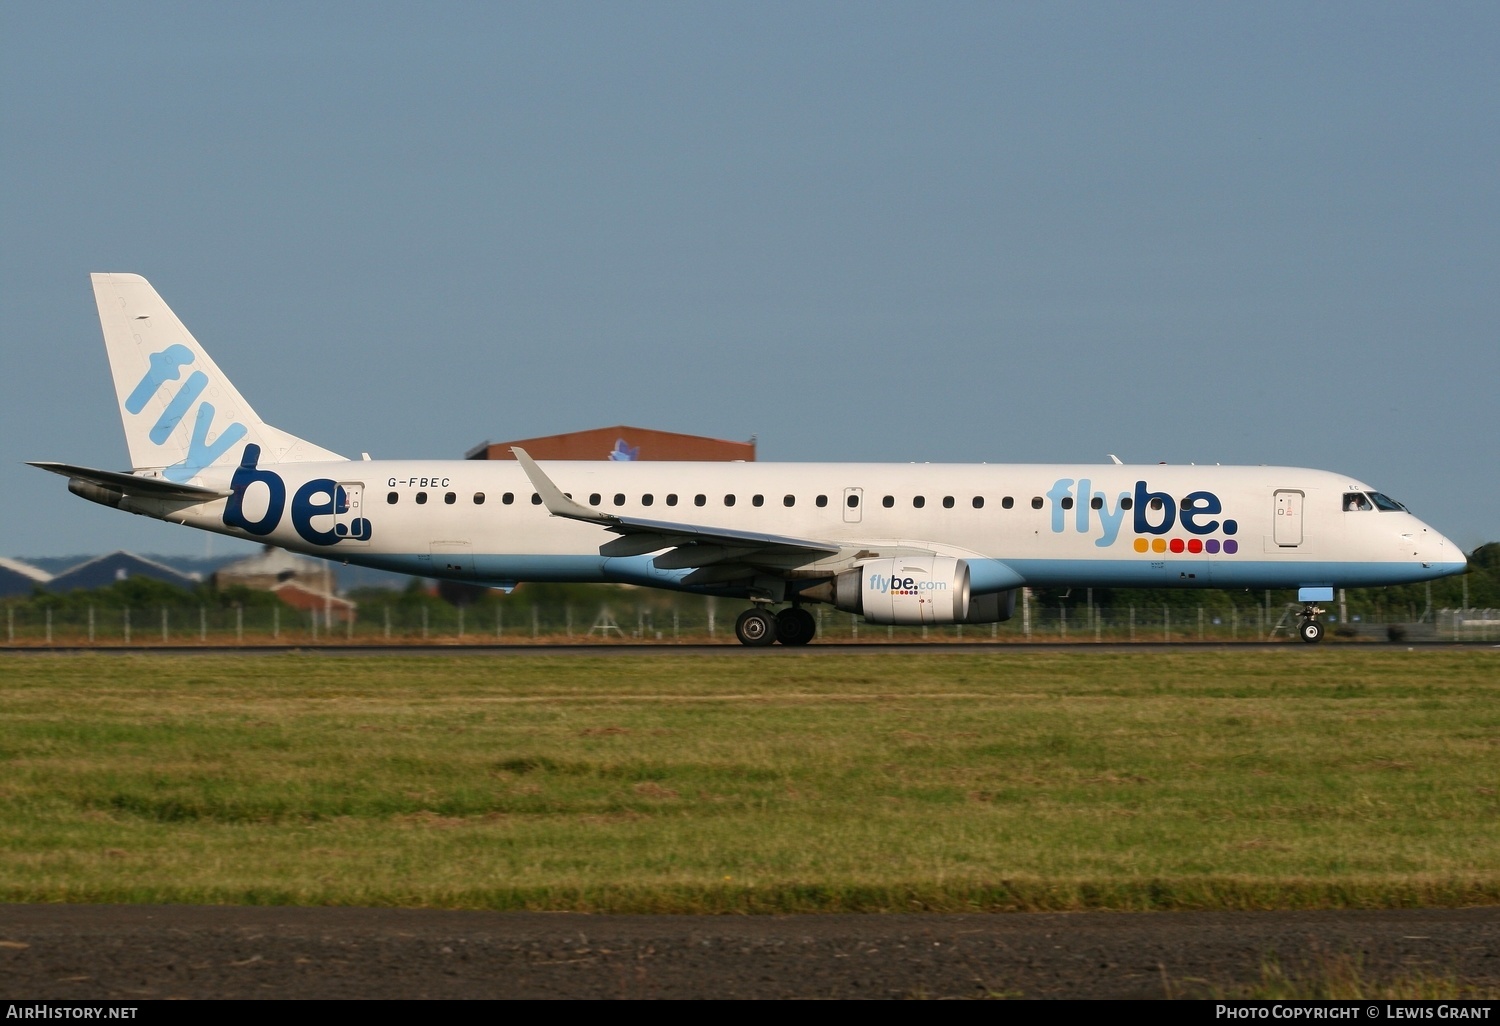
(1310, 630)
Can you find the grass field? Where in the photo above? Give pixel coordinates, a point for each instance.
(1292, 778)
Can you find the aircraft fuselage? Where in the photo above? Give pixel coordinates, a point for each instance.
(1019, 524)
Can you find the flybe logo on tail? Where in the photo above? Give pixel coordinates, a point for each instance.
(166, 366)
(1151, 513)
(321, 498)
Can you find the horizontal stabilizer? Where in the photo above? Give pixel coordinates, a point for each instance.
(131, 484)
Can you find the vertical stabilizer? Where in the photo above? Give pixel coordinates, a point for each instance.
(180, 412)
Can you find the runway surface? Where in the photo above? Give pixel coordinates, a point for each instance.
(152, 952)
(770, 652)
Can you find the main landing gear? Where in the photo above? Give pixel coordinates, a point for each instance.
(759, 626)
(795, 626)
(1310, 630)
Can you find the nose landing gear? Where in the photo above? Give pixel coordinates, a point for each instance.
(1310, 630)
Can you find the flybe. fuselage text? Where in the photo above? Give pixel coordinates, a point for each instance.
(1077, 504)
(321, 497)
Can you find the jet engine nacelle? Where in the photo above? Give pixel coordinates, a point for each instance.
(906, 590)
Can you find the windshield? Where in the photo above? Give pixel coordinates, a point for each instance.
(1385, 502)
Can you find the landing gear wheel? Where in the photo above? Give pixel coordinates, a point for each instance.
(755, 627)
(795, 626)
(1310, 631)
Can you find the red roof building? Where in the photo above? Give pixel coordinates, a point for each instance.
(620, 443)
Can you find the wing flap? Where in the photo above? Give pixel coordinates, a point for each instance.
(686, 557)
(640, 544)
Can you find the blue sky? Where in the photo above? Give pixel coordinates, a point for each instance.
(1046, 232)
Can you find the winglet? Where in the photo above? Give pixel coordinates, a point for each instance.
(558, 504)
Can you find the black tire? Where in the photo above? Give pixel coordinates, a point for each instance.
(755, 627)
(795, 626)
(1311, 631)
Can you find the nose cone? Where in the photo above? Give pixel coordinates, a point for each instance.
(1444, 557)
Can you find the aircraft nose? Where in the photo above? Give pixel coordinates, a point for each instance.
(1442, 554)
(1455, 556)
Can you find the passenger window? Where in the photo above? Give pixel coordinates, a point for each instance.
(789, 500)
(450, 498)
(647, 499)
(671, 498)
(1007, 502)
(729, 500)
(619, 498)
(1156, 504)
(853, 501)
(421, 498)
(979, 502)
(918, 501)
(1097, 502)
(595, 498)
(392, 498)
(1067, 502)
(699, 500)
(536, 500)
(479, 498)
(888, 501)
(508, 498)
(1127, 502)
(947, 502)
(1036, 502)
(820, 501)
(757, 500)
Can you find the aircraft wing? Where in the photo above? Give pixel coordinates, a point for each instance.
(691, 546)
(131, 484)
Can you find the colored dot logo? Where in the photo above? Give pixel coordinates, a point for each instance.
(1194, 545)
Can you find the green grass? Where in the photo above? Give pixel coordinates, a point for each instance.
(1341, 978)
(1293, 778)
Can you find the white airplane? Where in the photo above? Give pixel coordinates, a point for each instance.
(896, 543)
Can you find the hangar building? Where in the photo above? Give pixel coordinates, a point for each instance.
(620, 443)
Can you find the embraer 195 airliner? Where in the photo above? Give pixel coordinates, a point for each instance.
(895, 543)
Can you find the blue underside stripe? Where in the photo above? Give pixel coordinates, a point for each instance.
(986, 575)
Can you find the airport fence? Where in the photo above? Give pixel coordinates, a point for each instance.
(690, 621)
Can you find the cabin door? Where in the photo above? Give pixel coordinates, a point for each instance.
(1288, 520)
(349, 521)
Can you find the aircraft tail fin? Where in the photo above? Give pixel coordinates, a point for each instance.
(181, 414)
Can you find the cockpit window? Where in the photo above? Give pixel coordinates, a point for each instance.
(1355, 502)
(1386, 503)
